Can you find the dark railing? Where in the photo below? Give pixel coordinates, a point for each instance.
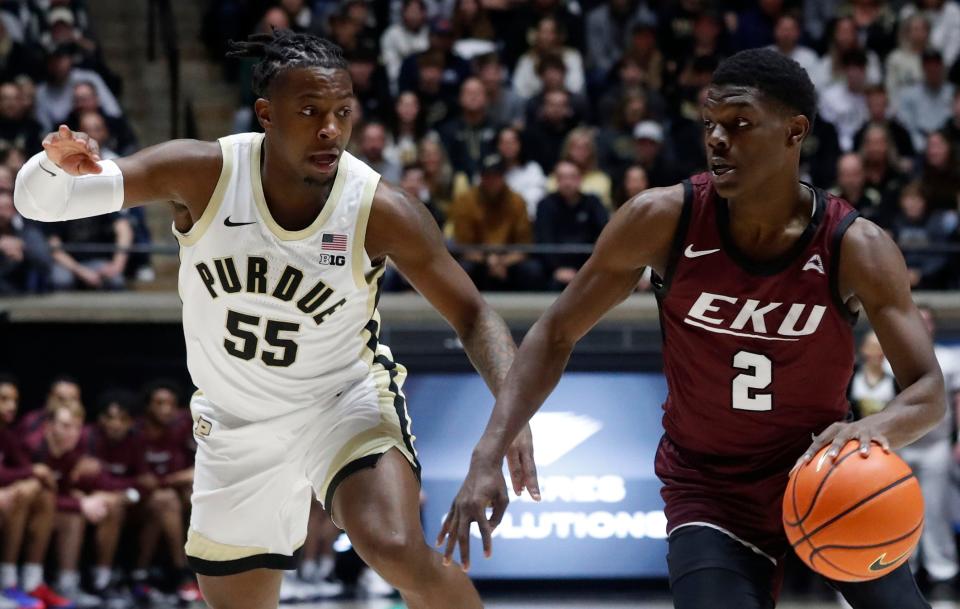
(160, 19)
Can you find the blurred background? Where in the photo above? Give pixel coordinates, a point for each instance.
(556, 111)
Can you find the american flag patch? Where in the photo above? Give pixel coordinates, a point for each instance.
(333, 242)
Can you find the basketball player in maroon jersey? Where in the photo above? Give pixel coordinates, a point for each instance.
(759, 278)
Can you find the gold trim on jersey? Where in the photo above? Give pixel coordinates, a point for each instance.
(204, 548)
(360, 233)
(281, 233)
(210, 211)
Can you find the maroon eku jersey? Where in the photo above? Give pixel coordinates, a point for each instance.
(757, 355)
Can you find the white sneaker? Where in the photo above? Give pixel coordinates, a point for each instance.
(6, 603)
(83, 600)
(292, 590)
(371, 584)
(323, 589)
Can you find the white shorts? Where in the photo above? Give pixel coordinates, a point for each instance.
(253, 482)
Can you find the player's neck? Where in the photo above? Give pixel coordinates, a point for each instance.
(293, 203)
(777, 203)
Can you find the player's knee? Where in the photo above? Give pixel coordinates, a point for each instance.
(391, 550)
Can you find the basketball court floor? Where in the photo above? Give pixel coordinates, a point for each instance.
(584, 603)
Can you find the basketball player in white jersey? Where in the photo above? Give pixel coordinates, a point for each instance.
(284, 238)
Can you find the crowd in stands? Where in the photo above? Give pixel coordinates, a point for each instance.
(529, 122)
(478, 106)
(52, 72)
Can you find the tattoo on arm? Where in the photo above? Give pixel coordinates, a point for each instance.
(490, 348)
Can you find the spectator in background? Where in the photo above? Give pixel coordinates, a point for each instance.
(852, 186)
(819, 153)
(817, 15)
(504, 106)
(471, 136)
(881, 116)
(844, 103)
(169, 450)
(929, 458)
(944, 18)
(16, 127)
(370, 83)
(634, 182)
(552, 72)
(17, 58)
(882, 168)
(844, 40)
(373, 142)
(544, 137)
(917, 226)
(435, 98)
(406, 129)
(951, 129)
(939, 174)
(100, 270)
(524, 176)
(122, 140)
(786, 40)
(492, 214)
(27, 509)
(81, 500)
(437, 171)
(608, 28)
(453, 69)
(644, 50)
(904, 65)
(24, 257)
(629, 79)
(873, 386)
(649, 153)
(301, 16)
(63, 31)
(580, 148)
(756, 25)
(63, 389)
(55, 95)
(615, 140)
(471, 21)
(876, 25)
(924, 107)
(548, 40)
(567, 216)
(403, 39)
(413, 181)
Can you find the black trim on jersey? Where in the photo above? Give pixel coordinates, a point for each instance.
(662, 284)
(353, 467)
(835, 242)
(218, 568)
(780, 263)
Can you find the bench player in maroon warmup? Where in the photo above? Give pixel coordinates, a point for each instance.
(759, 279)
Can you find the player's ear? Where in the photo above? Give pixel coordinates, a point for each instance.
(798, 127)
(261, 108)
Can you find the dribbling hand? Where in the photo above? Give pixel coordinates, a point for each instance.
(74, 152)
(865, 431)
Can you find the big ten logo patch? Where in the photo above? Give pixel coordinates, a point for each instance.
(333, 260)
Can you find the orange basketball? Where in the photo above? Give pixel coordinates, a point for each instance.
(853, 519)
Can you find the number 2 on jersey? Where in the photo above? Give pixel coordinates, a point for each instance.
(246, 347)
(746, 387)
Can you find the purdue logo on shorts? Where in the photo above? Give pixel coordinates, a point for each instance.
(333, 260)
(203, 427)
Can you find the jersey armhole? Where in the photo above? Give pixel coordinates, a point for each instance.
(210, 211)
(360, 237)
(662, 284)
(836, 241)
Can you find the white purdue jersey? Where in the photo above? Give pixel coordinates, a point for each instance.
(276, 320)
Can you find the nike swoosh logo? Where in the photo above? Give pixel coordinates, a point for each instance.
(690, 253)
(228, 222)
(879, 565)
(52, 175)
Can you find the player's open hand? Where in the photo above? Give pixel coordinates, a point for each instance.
(483, 488)
(865, 431)
(523, 469)
(74, 152)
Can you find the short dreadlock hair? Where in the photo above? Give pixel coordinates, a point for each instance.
(776, 76)
(281, 50)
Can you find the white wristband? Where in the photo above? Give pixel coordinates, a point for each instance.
(47, 193)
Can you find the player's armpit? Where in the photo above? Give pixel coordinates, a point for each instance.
(185, 171)
(873, 272)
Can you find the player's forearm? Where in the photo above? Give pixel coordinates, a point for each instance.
(490, 347)
(914, 412)
(537, 369)
(47, 193)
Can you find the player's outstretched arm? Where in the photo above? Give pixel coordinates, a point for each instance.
(873, 274)
(401, 227)
(68, 180)
(640, 234)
